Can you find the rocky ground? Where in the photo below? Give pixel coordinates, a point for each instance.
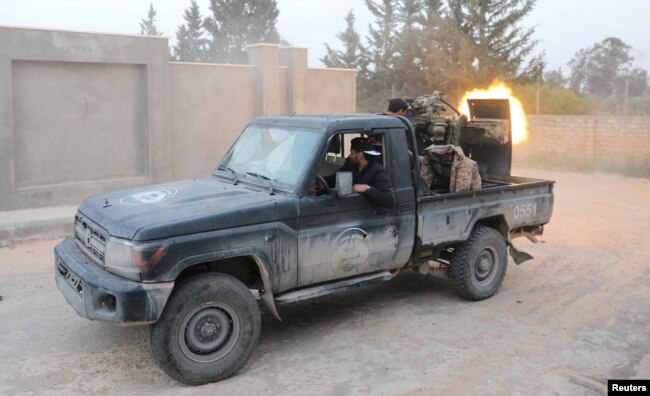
(561, 324)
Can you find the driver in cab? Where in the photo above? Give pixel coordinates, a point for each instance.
(368, 176)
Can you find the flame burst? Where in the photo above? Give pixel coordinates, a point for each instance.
(499, 90)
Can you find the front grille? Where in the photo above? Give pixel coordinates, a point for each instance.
(90, 237)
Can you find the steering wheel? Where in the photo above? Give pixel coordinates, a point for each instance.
(320, 185)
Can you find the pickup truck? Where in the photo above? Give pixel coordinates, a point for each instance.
(192, 258)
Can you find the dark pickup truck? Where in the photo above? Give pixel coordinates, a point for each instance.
(192, 258)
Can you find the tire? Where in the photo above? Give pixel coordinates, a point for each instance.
(207, 331)
(479, 264)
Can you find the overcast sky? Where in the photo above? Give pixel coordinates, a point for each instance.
(562, 26)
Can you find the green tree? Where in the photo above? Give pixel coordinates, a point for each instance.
(555, 78)
(235, 24)
(353, 55)
(639, 106)
(595, 70)
(448, 53)
(499, 45)
(381, 49)
(409, 73)
(190, 45)
(148, 25)
(534, 70)
(637, 80)
(552, 100)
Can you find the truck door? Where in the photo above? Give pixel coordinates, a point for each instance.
(348, 236)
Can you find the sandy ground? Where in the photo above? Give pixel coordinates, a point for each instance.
(561, 324)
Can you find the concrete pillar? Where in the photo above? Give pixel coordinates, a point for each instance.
(295, 58)
(266, 59)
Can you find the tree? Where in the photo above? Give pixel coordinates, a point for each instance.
(555, 78)
(432, 15)
(595, 70)
(448, 52)
(409, 52)
(637, 80)
(499, 45)
(534, 70)
(552, 100)
(190, 44)
(148, 25)
(353, 55)
(381, 44)
(235, 24)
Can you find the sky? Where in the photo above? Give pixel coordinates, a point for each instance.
(562, 27)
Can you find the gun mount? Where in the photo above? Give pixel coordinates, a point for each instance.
(485, 133)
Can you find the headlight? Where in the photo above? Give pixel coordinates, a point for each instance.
(129, 259)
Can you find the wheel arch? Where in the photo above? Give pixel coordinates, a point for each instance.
(497, 222)
(234, 262)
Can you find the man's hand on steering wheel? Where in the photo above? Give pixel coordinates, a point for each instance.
(320, 186)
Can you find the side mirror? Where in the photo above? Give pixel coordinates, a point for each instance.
(343, 184)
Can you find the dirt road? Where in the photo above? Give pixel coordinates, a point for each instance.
(561, 324)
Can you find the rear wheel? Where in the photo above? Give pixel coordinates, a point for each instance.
(479, 264)
(208, 329)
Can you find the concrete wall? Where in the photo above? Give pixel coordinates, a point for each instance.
(84, 113)
(588, 142)
(80, 114)
(211, 104)
(320, 98)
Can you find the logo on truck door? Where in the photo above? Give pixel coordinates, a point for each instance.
(149, 197)
(351, 249)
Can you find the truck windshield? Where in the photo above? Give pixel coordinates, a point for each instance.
(274, 153)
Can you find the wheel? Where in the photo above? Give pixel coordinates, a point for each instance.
(479, 265)
(208, 329)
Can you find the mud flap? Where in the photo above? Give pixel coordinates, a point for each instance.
(267, 299)
(517, 255)
(265, 294)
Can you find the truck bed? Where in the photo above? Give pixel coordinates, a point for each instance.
(449, 218)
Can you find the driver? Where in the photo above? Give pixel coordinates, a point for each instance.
(368, 176)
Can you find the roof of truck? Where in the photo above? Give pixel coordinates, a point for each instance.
(327, 122)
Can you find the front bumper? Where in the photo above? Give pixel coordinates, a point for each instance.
(99, 295)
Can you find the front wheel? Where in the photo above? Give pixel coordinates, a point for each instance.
(479, 264)
(207, 331)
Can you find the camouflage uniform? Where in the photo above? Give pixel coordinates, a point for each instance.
(463, 172)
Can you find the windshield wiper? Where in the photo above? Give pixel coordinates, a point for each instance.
(232, 173)
(265, 179)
